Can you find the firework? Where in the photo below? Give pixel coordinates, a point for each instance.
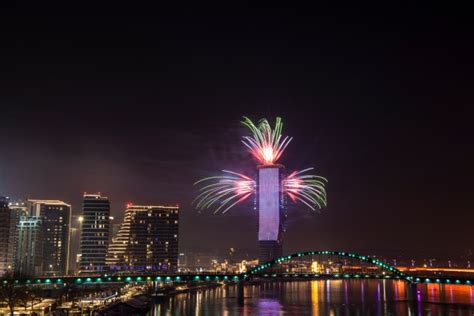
(225, 191)
(266, 144)
(306, 188)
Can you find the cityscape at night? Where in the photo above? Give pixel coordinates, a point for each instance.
(236, 161)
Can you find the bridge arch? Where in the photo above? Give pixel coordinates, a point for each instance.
(389, 268)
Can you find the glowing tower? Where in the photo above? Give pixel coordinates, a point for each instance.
(270, 207)
(266, 144)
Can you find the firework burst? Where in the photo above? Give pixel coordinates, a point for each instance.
(266, 144)
(225, 191)
(306, 188)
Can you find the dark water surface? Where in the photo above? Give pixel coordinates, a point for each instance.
(334, 297)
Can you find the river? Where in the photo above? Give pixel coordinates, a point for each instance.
(320, 297)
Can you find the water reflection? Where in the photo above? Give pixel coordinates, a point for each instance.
(336, 297)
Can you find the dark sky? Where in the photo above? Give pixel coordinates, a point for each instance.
(140, 102)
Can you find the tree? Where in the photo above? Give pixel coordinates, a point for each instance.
(31, 297)
(11, 294)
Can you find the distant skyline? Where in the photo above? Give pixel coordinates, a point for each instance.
(140, 108)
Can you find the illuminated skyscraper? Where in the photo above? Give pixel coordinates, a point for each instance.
(147, 239)
(94, 232)
(270, 215)
(7, 237)
(55, 219)
(29, 247)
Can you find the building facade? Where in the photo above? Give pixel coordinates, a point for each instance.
(95, 233)
(29, 247)
(147, 239)
(55, 218)
(270, 212)
(7, 237)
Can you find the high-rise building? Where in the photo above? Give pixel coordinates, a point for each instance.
(19, 209)
(55, 219)
(7, 237)
(95, 233)
(147, 239)
(29, 247)
(74, 244)
(270, 206)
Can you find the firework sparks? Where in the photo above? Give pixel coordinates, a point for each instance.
(226, 191)
(306, 188)
(266, 144)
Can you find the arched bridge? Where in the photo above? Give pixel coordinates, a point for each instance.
(260, 271)
(391, 270)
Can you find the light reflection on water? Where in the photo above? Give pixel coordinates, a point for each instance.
(334, 297)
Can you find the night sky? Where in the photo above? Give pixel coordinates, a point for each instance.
(138, 103)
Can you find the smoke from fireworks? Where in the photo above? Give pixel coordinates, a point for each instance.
(266, 145)
(226, 190)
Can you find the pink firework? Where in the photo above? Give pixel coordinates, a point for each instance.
(306, 188)
(266, 144)
(226, 191)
